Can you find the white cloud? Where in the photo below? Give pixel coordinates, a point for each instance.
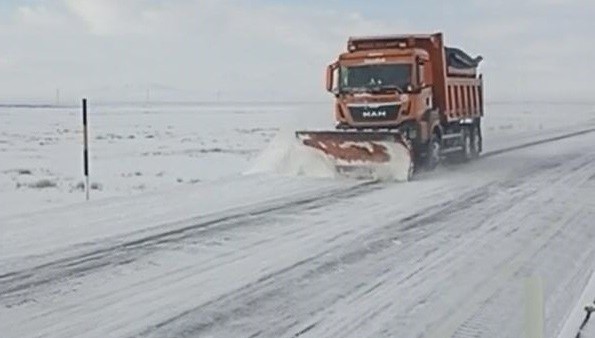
(4, 62)
(38, 17)
(200, 47)
(192, 49)
(107, 17)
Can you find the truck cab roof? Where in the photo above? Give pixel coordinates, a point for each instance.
(388, 54)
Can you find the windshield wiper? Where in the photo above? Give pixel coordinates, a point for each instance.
(355, 89)
(388, 87)
(373, 89)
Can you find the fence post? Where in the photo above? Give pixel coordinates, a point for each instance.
(85, 149)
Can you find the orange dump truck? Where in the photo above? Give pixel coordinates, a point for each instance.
(402, 91)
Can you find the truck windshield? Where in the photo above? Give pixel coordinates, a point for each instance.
(375, 77)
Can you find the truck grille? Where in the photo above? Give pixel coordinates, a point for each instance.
(374, 113)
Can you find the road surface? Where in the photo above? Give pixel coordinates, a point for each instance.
(447, 255)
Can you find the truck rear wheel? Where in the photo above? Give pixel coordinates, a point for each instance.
(476, 142)
(464, 144)
(467, 151)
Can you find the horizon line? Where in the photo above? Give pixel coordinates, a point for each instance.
(255, 102)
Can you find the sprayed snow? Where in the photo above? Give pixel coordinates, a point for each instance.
(287, 156)
(398, 167)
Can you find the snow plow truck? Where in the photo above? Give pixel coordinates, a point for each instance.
(402, 94)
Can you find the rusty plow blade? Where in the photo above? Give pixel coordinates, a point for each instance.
(374, 155)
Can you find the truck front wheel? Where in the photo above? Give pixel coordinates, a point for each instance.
(433, 152)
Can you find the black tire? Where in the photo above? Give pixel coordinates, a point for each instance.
(476, 142)
(411, 171)
(465, 154)
(433, 153)
(467, 151)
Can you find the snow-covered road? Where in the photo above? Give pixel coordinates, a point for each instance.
(445, 255)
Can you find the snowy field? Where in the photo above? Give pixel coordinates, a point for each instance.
(133, 149)
(177, 242)
(136, 149)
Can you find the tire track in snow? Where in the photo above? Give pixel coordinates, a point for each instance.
(262, 297)
(475, 319)
(247, 295)
(538, 142)
(14, 283)
(509, 226)
(342, 260)
(272, 286)
(118, 254)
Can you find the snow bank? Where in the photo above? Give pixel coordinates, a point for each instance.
(287, 156)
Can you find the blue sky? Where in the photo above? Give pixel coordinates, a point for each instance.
(116, 50)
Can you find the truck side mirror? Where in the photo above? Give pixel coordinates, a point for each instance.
(330, 76)
(420, 80)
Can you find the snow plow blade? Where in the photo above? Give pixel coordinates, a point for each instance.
(381, 155)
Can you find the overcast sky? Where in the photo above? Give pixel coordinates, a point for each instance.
(196, 50)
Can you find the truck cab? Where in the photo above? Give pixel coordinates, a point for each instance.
(409, 83)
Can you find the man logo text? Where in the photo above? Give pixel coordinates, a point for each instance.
(374, 113)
